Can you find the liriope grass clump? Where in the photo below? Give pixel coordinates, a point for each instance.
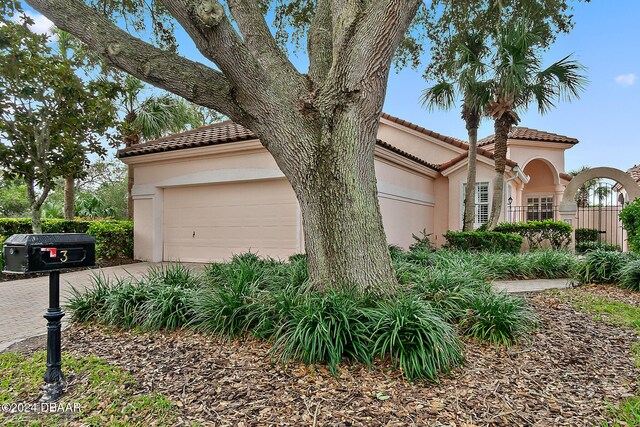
(325, 328)
(414, 337)
(160, 299)
(498, 318)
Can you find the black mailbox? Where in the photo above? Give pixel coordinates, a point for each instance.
(32, 253)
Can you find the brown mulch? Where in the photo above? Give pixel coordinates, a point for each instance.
(564, 376)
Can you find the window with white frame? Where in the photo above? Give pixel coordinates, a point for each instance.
(482, 202)
(539, 208)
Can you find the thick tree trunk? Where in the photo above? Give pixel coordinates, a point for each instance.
(35, 203)
(502, 127)
(36, 220)
(472, 122)
(69, 197)
(344, 237)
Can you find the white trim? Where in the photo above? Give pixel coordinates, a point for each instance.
(158, 226)
(221, 175)
(462, 197)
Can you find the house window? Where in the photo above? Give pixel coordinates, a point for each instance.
(482, 202)
(539, 208)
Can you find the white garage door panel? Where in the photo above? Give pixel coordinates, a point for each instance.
(228, 219)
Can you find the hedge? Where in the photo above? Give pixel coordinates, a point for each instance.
(114, 239)
(584, 235)
(584, 247)
(487, 241)
(557, 233)
(630, 217)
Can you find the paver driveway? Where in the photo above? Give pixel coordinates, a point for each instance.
(23, 302)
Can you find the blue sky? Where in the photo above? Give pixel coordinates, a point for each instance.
(605, 119)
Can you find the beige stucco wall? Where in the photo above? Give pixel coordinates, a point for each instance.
(407, 202)
(204, 179)
(422, 146)
(484, 173)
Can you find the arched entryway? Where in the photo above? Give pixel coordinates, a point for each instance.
(538, 198)
(592, 201)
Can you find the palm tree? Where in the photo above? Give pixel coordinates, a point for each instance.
(468, 70)
(582, 196)
(150, 118)
(518, 80)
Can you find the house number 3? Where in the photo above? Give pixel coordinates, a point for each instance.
(64, 256)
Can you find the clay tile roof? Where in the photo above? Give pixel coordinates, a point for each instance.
(217, 133)
(634, 171)
(528, 134)
(565, 176)
(222, 133)
(396, 150)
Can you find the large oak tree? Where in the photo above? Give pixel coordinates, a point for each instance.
(320, 126)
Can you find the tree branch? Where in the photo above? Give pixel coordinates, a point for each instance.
(188, 79)
(260, 41)
(319, 42)
(365, 37)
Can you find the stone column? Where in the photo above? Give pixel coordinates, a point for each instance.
(569, 213)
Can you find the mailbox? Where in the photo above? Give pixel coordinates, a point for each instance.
(32, 253)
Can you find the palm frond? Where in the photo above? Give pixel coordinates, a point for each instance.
(158, 116)
(441, 95)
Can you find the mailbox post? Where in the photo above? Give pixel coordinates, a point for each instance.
(34, 253)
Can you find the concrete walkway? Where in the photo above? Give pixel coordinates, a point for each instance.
(23, 302)
(535, 285)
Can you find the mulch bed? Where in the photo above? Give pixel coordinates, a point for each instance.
(564, 376)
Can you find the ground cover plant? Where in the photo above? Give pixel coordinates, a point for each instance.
(445, 295)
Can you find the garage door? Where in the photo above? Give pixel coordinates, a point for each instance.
(213, 222)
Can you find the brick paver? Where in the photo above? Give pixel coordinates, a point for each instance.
(23, 302)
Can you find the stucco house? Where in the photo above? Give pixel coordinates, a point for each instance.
(211, 192)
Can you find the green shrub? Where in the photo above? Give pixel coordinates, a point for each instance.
(273, 300)
(602, 267)
(2, 239)
(630, 217)
(325, 328)
(9, 226)
(114, 239)
(498, 317)
(585, 247)
(584, 235)
(416, 339)
(557, 233)
(422, 243)
(630, 275)
(488, 241)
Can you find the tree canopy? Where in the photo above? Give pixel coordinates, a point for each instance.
(319, 124)
(51, 118)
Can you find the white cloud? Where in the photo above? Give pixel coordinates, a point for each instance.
(41, 24)
(626, 79)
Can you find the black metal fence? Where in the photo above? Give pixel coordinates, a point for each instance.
(531, 213)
